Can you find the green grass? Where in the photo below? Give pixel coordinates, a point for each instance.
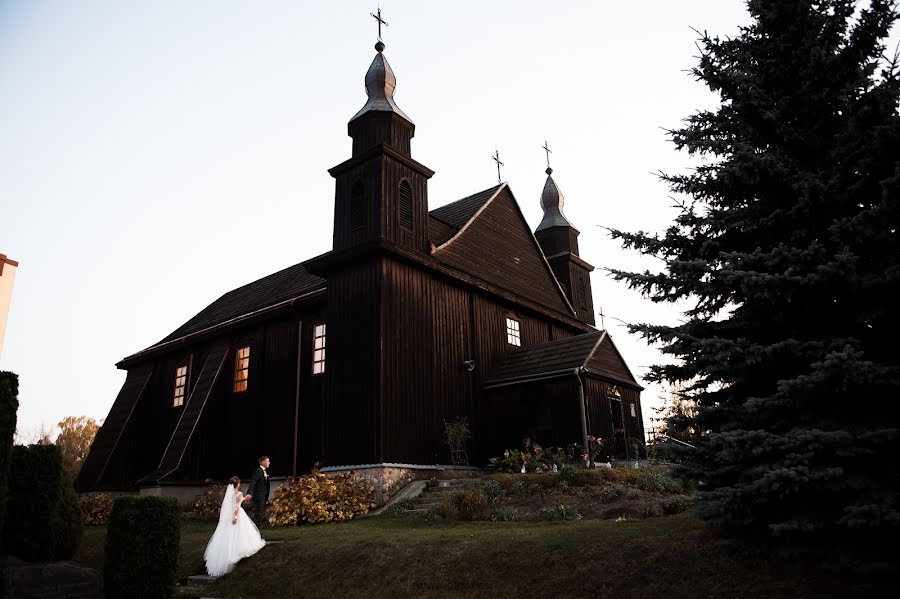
(676, 556)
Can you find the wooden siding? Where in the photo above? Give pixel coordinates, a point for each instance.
(352, 384)
(499, 248)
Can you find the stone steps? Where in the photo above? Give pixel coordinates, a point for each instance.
(432, 497)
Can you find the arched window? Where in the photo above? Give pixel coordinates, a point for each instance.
(582, 294)
(406, 205)
(357, 206)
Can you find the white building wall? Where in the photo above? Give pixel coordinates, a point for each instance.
(7, 276)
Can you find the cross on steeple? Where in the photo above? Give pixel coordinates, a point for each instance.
(496, 158)
(547, 150)
(380, 21)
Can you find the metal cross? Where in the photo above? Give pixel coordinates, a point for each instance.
(547, 149)
(602, 319)
(380, 21)
(496, 158)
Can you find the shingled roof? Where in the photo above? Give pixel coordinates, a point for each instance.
(286, 284)
(444, 222)
(561, 357)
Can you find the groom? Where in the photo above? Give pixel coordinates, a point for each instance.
(259, 489)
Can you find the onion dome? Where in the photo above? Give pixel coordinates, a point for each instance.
(380, 84)
(552, 201)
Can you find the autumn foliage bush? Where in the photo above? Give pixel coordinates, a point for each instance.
(95, 509)
(319, 498)
(207, 504)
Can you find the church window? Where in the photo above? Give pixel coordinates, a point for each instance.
(357, 207)
(242, 369)
(582, 294)
(180, 384)
(513, 334)
(406, 205)
(633, 412)
(318, 366)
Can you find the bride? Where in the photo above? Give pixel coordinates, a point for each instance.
(236, 536)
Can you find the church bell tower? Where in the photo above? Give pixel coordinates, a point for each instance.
(559, 241)
(381, 193)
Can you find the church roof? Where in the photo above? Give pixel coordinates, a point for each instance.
(594, 352)
(446, 223)
(283, 285)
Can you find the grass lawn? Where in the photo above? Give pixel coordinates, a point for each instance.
(675, 556)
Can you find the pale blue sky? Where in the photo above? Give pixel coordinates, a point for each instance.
(146, 146)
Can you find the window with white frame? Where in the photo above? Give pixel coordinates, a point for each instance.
(633, 412)
(318, 365)
(513, 332)
(180, 384)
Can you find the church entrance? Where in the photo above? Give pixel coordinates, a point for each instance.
(618, 450)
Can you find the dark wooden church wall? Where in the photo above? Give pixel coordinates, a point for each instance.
(311, 418)
(546, 411)
(369, 175)
(352, 385)
(408, 405)
(392, 174)
(599, 409)
(453, 386)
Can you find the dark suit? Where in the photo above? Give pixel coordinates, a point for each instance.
(259, 488)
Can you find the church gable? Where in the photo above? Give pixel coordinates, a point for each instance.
(496, 245)
(607, 361)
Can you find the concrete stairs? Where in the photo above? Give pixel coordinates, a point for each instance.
(432, 496)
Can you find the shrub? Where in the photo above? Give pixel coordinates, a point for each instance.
(142, 548)
(505, 514)
(9, 405)
(209, 503)
(532, 457)
(565, 512)
(676, 504)
(567, 474)
(67, 528)
(547, 513)
(610, 493)
(320, 498)
(656, 483)
(95, 509)
(493, 491)
(401, 506)
(471, 504)
(445, 510)
(43, 522)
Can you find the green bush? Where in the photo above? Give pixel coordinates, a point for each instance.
(505, 514)
(9, 405)
(657, 483)
(493, 491)
(676, 504)
(471, 504)
(610, 493)
(142, 548)
(42, 518)
(67, 528)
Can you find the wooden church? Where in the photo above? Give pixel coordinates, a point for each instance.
(360, 355)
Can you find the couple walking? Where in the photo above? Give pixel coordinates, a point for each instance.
(237, 536)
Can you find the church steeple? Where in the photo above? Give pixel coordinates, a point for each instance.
(380, 120)
(558, 238)
(381, 193)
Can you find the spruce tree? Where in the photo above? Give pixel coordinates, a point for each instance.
(787, 252)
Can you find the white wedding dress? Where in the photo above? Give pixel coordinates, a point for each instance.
(231, 543)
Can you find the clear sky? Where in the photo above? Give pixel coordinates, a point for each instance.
(154, 155)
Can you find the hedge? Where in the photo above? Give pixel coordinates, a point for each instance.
(9, 405)
(43, 522)
(142, 548)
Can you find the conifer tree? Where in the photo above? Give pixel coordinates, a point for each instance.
(786, 248)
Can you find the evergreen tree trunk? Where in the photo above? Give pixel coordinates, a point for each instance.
(787, 249)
